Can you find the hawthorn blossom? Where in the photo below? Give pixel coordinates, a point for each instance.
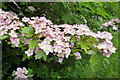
(13, 34)
(58, 48)
(20, 73)
(25, 19)
(47, 40)
(16, 42)
(37, 30)
(60, 60)
(67, 51)
(77, 54)
(29, 52)
(31, 8)
(101, 46)
(47, 49)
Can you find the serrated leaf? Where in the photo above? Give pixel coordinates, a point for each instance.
(40, 54)
(28, 30)
(33, 44)
(84, 45)
(22, 39)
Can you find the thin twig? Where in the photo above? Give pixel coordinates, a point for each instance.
(15, 3)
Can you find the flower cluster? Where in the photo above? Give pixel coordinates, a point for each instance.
(55, 39)
(106, 46)
(9, 24)
(111, 23)
(21, 73)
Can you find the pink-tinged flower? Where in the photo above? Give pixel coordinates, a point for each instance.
(29, 52)
(115, 28)
(42, 19)
(26, 41)
(105, 50)
(16, 42)
(66, 44)
(100, 35)
(41, 45)
(77, 54)
(67, 51)
(47, 40)
(19, 71)
(57, 37)
(107, 54)
(13, 34)
(101, 46)
(100, 18)
(61, 55)
(49, 29)
(1, 28)
(108, 41)
(59, 42)
(31, 8)
(32, 22)
(49, 22)
(10, 26)
(80, 32)
(38, 30)
(58, 49)
(21, 24)
(47, 49)
(35, 18)
(108, 35)
(67, 38)
(60, 60)
(25, 19)
(43, 25)
(8, 21)
(101, 27)
(3, 32)
(67, 30)
(23, 34)
(112, 49)
(15, 27)
(25, 71)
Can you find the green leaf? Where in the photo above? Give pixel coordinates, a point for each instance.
(30, 71)
(28, 30)
(24, 57)
(91, 52)
(92, 40)
(94, 60)
(40, 54)
(13, 73)
(22, 39)
(73, 39)
(84, 45)
(33, 44)
(3, 37)
(9, 42)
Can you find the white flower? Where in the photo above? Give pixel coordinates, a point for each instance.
(112, 49)
(13, 34)
(31, 8)
(37, 30)
(101, 46)
(29, 52)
